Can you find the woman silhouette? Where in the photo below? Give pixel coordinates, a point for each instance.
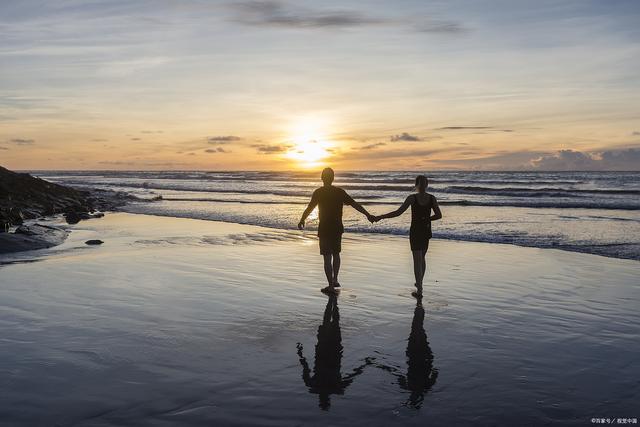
(422, 203)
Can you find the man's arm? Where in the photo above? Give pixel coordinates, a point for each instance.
(357, 206)
(312, 204)
(398, 211)
(305, 366)
(437, 214)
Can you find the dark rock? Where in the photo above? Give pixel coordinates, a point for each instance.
(94, 242)
(72, 217)
(23, 196)
(16, 216)
(29, 237)
(4, 222)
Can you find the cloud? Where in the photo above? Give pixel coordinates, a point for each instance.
(116, 163)
(635, 133)
(516, 160)
(222, 139)
(567, 160)
(404, 136)
(3, 148)
(273, 13)
(136, 139)
(271, 149)
(150, 131)
(389, 154)
(372, 146)
(99, 140)
(464, 127)
(279, 14)
(142, 163)
(124, 67)
(439, 27)
(21, 141)
(216, 150)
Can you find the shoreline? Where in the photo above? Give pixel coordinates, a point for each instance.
(47, 241)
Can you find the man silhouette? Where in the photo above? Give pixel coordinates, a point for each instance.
(330, 200)
(327, 378)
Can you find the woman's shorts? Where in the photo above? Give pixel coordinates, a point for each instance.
(419, 239)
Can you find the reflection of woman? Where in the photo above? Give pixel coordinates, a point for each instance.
(327, 378)
(421, 375)
(422, 203)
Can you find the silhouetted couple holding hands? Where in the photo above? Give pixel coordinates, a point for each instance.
(331, 199)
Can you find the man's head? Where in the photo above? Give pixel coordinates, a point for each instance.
(421, 183)
(327, 176)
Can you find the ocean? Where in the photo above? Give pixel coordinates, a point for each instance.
(590, 212)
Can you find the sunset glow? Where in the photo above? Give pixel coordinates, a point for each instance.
(279, 85)
(310, 143)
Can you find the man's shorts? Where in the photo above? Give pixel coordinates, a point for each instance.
(330, 243)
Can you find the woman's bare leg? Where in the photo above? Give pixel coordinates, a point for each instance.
(424, 261)
(418, 269)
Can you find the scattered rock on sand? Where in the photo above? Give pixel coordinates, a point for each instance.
(94, 242)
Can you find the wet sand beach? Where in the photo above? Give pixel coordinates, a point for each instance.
(189, 322)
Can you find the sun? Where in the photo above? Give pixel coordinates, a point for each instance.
(310, 145)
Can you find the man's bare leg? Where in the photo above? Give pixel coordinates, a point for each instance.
(328, 269)
(336, 268)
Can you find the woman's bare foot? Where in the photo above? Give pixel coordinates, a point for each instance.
(336, 284)
(329, 290)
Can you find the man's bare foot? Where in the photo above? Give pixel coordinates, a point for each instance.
(329, 290)
(418, 292)
(336, 284)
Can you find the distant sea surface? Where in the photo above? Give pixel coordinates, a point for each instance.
(592, 212)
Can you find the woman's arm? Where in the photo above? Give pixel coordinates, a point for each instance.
(398, 211)
(437, 213)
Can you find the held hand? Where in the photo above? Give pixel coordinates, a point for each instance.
(301, 225)
(371, 218)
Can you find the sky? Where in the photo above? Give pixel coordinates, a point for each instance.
(285, 85)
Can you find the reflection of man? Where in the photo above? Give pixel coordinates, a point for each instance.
(327, 378)
(330, 200)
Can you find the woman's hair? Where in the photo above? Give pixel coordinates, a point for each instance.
(422, 182)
